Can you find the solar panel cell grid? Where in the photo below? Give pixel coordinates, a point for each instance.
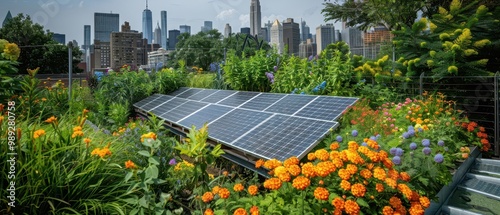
(146, 100)
(205, 115)
(238, 98)
(179, 91)
(290, 104)
(326, 108)
(218, 96)
(201, 95)
(153, 104)
(183, 110)
(189, 92)
(234, 124)
(168, 106)
(262, 101)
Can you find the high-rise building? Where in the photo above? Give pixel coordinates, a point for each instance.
(172, 38)
(277, 36)
(157, 34)
(373, 40)
(325, 34)
(338, 37)
(354, 38)
(185, 29)
(245, 30)
(147, 24)
(164, 30)
(268, 26)
(86, 37)
(7, 18)
(207, 26)
(127, 48)
(227, 30)
(255, 18)
(60, 38)
(305, 31)
(307, 49)
(264, 34)
(104, 24)
(102, 57)
(291, 36)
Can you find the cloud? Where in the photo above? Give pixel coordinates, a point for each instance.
(81, 4)
(273, 17)
(226, 14)
(245, 20)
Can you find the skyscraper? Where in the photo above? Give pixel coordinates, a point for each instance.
(172, 38)
(104, 24)
(325, 34)
(185, 29)
(207, 26)
(255, 18)
(277, 36)
(304, 35)
(291, 36)
(127, 48)
(245, 30)
(354, 38)
(268, 26)
(86, 37)
(164, 30)
(227, 30)
(7, 18)
(157, 35)
(60, 38)
(147, 24)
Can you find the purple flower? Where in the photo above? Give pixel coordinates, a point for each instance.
(339, 138)
(440, 143)
(172, 162)
(354, 133)
(439, 158)
(411, 133)
(426, 142)
(426, 150)
(378, 136)
(396, 160)
(310, 58)
(364, 144)
(275, 68)
(410, 128)
(406, 135)
(393, 151)
(270, 77)
(413, 146)
(399, 151)
(373, 138)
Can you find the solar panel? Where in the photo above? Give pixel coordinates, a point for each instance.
(262, 101)
(290, 104)
(168, 106)
(179, 91)
(189, 92)
(238, 98)
(205, 115)
(146, 100)
(326, 108)
(201, 95)
(183, 110)
(234, 124)
(217, 96)
(158, 101)
(283, 136)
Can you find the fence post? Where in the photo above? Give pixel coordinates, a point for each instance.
(422, 83)
(70, 68)
(496, 141)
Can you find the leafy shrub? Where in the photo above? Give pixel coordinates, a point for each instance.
(9, 53)
(168, 80)
(201, 80)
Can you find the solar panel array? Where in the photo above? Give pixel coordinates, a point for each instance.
(265, 125)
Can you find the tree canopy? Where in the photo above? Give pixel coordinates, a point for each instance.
(38, 49)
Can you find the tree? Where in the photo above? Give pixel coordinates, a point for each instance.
(200, 49)
(38, 47)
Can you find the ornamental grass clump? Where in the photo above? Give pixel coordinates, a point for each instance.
(357, 180)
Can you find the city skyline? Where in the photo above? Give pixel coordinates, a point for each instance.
(53, 13)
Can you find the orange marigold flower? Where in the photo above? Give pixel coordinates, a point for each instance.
(301, 183)
(352, 146)
(344, 174)
(238, 187)
(149, 135)
(391, 183)
(387, 210)
(291, 161)
(482, 129)
(387, 163)
(334, 146)
(254, 210)
(271, 164)
(280, 170)
(424, 201)
(392, 173)
(308, 170)
(130, 165)
(395, 202)
(208, 211)
(322, 154)
(358, 190)
(404, 176)
(345, 185)
(224, 193)
(484, 141)
(365, 173)
(294, 170)
(215, 190)
(321, 182)
(272, 183)
(407, 192)
(351, 207)
(338, 203)
(87, 141)
(38, 133)
(352, 168)
(416, 209)
(337, 162)
(253, 190)
(324, 168)
(321, 193)
(311, 156)
(240, 211)
(379, 173)
(379, 187)
(415, 196)
(51, 119)
(373, 144)
(259, 163)
(383, 154)
(285, 177)
(101, 152)
(207, 197)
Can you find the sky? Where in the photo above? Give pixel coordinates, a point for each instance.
(69, 16)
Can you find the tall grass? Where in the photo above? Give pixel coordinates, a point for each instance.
(201, 80)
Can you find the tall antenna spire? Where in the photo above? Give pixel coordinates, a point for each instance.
(146, 4)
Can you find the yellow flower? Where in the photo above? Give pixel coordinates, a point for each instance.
(149, 135)
(87, 141)
(51, 119)
(130, 165)
(101, 152)
(11, 51)
(38, 133)
(238, 187)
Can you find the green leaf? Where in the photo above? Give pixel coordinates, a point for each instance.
(152, 172)
(128, 176)
(143, 202)
(424, 181)
(154, 160)
(144, 153)
(132, 201)
(362, 202)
